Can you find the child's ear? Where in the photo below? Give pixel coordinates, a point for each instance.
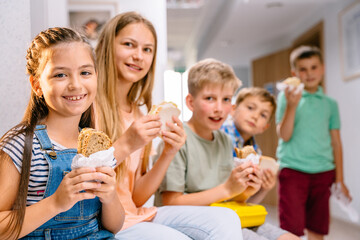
(266, 127)
(233, 110)
(293, 73)
(190, 101)
(35, 86)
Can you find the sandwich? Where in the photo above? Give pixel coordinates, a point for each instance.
(91, 141)
(264, 161)
(269, 163)
(292, 81)
(245, 151)
(165, 110)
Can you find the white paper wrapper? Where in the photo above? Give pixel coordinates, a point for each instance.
(103, 158)
(254, 158)
(282, 86)
(344, 203)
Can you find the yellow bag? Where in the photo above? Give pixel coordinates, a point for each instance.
(251, 215)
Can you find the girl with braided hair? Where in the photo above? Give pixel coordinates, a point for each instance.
(41, 197)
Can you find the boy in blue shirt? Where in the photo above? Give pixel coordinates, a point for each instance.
(251, 115)
(310, 150)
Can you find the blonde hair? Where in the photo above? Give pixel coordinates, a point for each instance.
(211, 71)
(109, 117)
(264, 95)
(303, 52)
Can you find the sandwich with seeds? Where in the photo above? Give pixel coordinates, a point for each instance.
(91, 141)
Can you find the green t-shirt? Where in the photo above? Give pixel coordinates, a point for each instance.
(199, 165)
(309, 150)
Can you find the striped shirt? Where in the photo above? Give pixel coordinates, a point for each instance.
(39, 170)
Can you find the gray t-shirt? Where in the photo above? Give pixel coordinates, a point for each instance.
(199, 165)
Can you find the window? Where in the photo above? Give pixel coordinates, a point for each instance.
(176, 90)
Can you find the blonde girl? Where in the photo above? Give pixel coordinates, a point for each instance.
(126, 57)
(41, 197)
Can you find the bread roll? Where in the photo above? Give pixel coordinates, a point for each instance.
(91, 141)
(245, 151)
(165, 110)
(269, 163)
(292, 81)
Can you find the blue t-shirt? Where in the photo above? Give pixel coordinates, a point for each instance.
(229, 128)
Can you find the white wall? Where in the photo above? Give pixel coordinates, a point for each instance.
(345, 92)
(14, 40)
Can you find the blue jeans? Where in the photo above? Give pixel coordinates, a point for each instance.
(187, 222)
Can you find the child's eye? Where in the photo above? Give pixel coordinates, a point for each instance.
(129, 44)
(264, 115)
(60, 75)
(250, 107)
(227, 99)
(209, 98)
(85, 73)
(148, 50)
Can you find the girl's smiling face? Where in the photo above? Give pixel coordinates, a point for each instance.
(134, 52)
(69, 80)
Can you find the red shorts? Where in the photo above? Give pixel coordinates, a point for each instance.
(304, 201)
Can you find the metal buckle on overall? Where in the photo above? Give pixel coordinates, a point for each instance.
(52, 154)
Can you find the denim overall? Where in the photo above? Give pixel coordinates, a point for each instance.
(79, 222)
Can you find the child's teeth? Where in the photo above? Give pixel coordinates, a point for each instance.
(74, 98)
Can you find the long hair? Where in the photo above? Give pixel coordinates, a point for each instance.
(109, 117)
(36, 111)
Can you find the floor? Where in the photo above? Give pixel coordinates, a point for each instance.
(339, 230)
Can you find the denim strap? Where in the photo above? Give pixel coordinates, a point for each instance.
(41, 134)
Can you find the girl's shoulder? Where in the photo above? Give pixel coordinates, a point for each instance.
(14, 135)
(12, 144)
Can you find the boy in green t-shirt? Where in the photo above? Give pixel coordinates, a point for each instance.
(203, 171)
(309, 150)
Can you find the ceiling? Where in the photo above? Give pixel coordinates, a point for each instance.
(233, 31)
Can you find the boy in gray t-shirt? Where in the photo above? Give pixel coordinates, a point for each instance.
(202, 171)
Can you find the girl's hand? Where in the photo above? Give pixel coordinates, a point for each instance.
(292, 97)
(71, 188)
(268, 179)
(239, 178)
(143, 130)
(107, 190)
(175, 138)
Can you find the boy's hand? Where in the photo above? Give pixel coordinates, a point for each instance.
(268, 179)
(143, 130)
(71, 188)
(255, 181)
(175, 138)
(292, 96)
(345, 190)
(239, 178)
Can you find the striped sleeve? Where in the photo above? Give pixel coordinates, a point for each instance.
(15, 149)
